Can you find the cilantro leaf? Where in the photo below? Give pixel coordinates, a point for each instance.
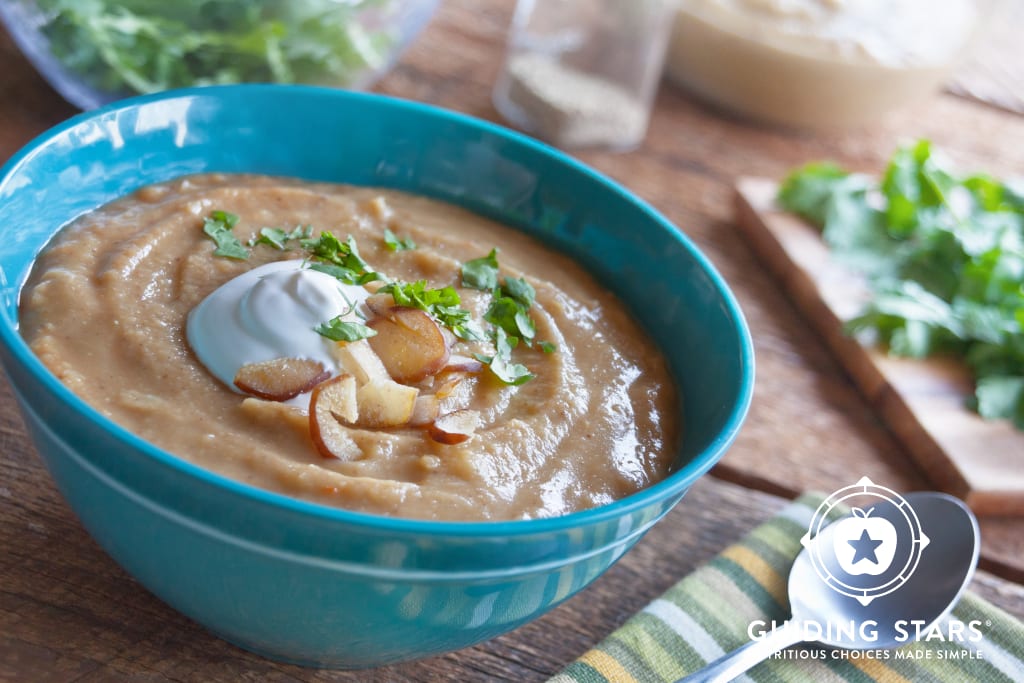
(339, 259)
(218, 226)
(338, 329)
(393, 243)
(808, 190)
(944, 259)
(511, 317)
(509, 309)
(547, 347)
(443, 304)
(418, 295)
(481, 273)
(520, 290)
(1000, 397)
(278, 238)
(501, 364)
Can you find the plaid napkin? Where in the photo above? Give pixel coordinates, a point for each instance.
(708, 613)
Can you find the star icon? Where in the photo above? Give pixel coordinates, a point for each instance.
(864, 548)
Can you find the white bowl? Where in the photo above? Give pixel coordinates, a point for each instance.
(816, 64)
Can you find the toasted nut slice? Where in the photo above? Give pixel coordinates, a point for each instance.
(425, 410)
(359, 360)
(338, 396)
(281, 378)
(449, 385)
(460, 363)
(379, 208)
(380, 304)
(276, 412)
(449, 337)
(334, 401)
(385, 404)
(455, 427)
(409, 343)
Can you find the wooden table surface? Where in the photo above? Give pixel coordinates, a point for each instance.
(68, 613)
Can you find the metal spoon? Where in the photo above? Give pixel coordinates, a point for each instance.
(947, 558)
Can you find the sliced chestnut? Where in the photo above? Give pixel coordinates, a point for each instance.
(281, 378)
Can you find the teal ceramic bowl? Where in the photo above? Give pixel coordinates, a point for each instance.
(310, 584)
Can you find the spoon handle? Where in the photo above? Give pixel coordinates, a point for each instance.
(732, 664)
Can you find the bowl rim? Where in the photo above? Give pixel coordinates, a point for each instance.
(677, 482)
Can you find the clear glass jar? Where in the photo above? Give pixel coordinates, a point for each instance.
(583, 73)
(97, 51)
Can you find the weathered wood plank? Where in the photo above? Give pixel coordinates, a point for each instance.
(923, 400)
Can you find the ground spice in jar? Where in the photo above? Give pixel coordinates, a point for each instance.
(571, 108)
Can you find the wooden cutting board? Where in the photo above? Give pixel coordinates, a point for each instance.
(977, 460)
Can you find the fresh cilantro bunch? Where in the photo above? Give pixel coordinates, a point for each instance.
(144, 46)
(944, 256)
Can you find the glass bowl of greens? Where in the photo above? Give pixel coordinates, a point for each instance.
(96, 51)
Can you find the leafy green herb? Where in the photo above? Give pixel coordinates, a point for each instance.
(509, 313)
(510, 307)
(338, 329)
(417, 295)
(547, 347)
(944, 256)
(393, 243)
(520, 290)
(511, 316)
(501, 362)
(339, 259)
(481, 273)
(278, 238)
(124, 46)
(444, 304)
(218, 226)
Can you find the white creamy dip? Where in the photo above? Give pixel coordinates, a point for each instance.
(889, 32)
(818, 63)
(269, 312)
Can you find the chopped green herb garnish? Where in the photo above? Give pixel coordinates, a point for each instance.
(279, 237)
(418, 295)
(509, 313)
(340, 259)
(547, 347)
(443, 304)
(511, 316)
(343, 274)
(218, 226)
(481, 273)
(393, 243)
(501, 364)
(520, 290)
(338, 329)
(944, 258)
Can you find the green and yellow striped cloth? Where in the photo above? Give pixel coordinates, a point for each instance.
(709, 612)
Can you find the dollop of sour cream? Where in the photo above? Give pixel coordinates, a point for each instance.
(269, 312)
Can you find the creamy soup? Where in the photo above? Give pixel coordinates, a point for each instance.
(452, 369)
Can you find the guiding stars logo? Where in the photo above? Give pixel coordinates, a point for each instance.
(874, 549)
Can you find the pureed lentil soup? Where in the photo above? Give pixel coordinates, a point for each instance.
(403, 357)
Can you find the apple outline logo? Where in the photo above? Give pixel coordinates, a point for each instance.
(853, 533)
(820, 519)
